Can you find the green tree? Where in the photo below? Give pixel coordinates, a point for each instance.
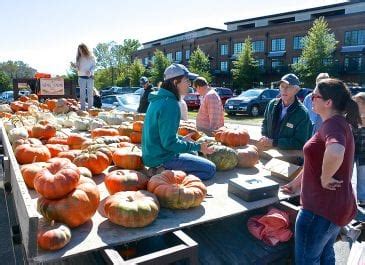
(105, 59)
(136, 70)
(17, 69)
(5, 81)
(158, 67)
(245, 70)
(199, 63)
(128, 47)
(317, 55)
(102, 78)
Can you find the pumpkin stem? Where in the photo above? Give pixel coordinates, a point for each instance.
(52, 223)
(130, 198)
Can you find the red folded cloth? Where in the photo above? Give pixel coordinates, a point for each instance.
(272, 228)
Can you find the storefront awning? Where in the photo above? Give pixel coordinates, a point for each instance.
(276, 54)
(355, 48)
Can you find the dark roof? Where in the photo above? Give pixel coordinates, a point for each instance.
(291, 12)
(191, 31)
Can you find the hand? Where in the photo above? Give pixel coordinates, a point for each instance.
(331, 184)
(188, 137)
(88, 73)
(292, 187)
(266, 142)
(206, 149)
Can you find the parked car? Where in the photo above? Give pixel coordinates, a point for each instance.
(126, 102)
(7, 97)
(118, 90)
(224, 93)
(252, 102)
(24, 92)
(192, 99)
(356, 89)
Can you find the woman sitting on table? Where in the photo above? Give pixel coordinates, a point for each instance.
(327, 198)
(161, 146)
(286, 122)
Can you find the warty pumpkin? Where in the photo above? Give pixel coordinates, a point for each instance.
(81, 204)
(176, 190)
(132, 208)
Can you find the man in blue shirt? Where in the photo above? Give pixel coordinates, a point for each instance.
(314, 117)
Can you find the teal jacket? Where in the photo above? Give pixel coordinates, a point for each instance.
(160, 141)
(290, 133)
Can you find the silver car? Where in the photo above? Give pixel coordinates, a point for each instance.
(125, 102)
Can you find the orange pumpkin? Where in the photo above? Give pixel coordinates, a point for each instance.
(139, 116)
(16, 106)
(104, 132)
(30, 153)
(33, 97)
(128, 158)
(85, 172)
(81, 204)
(5, 114)
(107, 150)
(55, 149)
(75, 140)
(248, 156)
(29, 172)
(71, 154)
(94, 112)
(42, 130)
(26, 141)
(57, 179)
(125, 129)
(136, 137)
(125, 180)
(23, 98)
(97, 161)
(112, 139)
(52, 236)
(51, 104)
(185, 130)
(176, 190)
(57, 140)
(138, 126)
(234, 137)
(144, 204)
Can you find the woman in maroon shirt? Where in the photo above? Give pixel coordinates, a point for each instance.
(328, 201)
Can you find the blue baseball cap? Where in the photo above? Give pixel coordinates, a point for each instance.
(290, 79)
(176, 70)
(143, 80)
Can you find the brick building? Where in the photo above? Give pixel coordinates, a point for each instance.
(276, 42)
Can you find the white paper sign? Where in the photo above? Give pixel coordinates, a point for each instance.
(52, 86)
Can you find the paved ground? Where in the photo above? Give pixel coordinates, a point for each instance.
(237, 119)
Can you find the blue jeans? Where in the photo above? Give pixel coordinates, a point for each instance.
(360, 183)
(192, 164)
(314, 239)
(86, 85)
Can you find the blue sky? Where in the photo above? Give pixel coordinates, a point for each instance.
(45, 34)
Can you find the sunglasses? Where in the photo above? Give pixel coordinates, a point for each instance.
(314, 96)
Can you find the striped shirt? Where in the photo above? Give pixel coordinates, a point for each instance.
(360, 145)
(211, 115)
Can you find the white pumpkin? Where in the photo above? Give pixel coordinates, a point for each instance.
(5, 108)
(82, 124)
(97, 123)
(17, 133)
(8, 125)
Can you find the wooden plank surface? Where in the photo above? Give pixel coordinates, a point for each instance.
(100, 233)
(27, 214)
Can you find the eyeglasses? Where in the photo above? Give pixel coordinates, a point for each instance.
(315, 96)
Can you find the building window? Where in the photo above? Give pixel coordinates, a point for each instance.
(298, 43)
(354, 64)
(258, 46)
(169, 56)
(178, 56)
(276, 64)
(261, 63)
(224, 66)
(356, 37)
(224, 49)
(327, 62)
(153, 59)
(277, 45)
(187, 54)
(295, 60)
(237, 48)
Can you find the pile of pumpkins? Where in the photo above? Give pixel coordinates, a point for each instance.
(231, 146)
(60, 168)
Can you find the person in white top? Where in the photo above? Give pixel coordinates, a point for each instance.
(85, 65)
